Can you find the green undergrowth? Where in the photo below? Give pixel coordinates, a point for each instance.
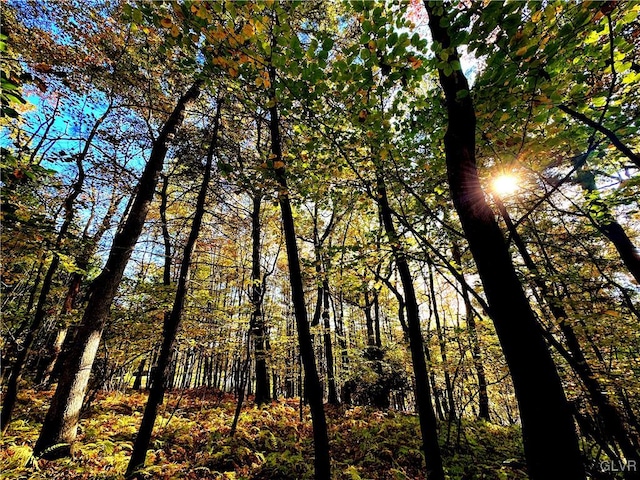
(192, 441)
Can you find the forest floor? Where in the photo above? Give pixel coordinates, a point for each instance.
(192, 441)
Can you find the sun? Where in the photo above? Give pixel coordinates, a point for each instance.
(505, 184)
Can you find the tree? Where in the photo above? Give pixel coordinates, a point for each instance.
(543, 406)
(173, 320)
(60, 424)
(16, 371)
(313, 389)
(427, 416)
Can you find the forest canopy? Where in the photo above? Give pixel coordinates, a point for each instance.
(320, 239)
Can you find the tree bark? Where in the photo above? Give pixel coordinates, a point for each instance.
(173, 320)
(629, 253)
(90, 245)
(550, 439)
(313, 387)
(603, 219)
(258, 327)
(332, 391)
(322, 302)
(451, 404)
(61, 421)
(11, 392)
(426, 415)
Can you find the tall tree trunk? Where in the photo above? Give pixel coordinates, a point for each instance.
(44, 376)
(257, 325)
(313, 387)
(629, 253)
(332, 391)
(379, 396)
(166, 237)
(322, 302)
(550, 439)
(61, 421)
(173, 320)
(137, 383)
(427, 417)
(11, 392)
(345, 394)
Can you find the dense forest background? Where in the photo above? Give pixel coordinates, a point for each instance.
(318, 239)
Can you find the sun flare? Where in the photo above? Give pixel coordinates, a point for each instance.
(505, 184)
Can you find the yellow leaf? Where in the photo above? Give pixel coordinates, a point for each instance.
(504, 116)
(248, 31)
(218, 34)
(259, 81)
(175, 31)
(166, 22)
(258, 26)
(535, 18)
(521, 51)
(233, 72)
(278, 164)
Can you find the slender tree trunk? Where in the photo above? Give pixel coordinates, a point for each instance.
(342, 345)
(61, 421)
(257, 324)
(173, 320)
(313, 387)
(427, 417)
(629, 253)
(137, 384)
(379, 397)
(44, 376)
(550, 439)
(166, 237)
(11, 392)
(332, 397)
(603, 219)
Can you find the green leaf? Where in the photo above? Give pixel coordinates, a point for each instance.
(599, 101)
(137, 16)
